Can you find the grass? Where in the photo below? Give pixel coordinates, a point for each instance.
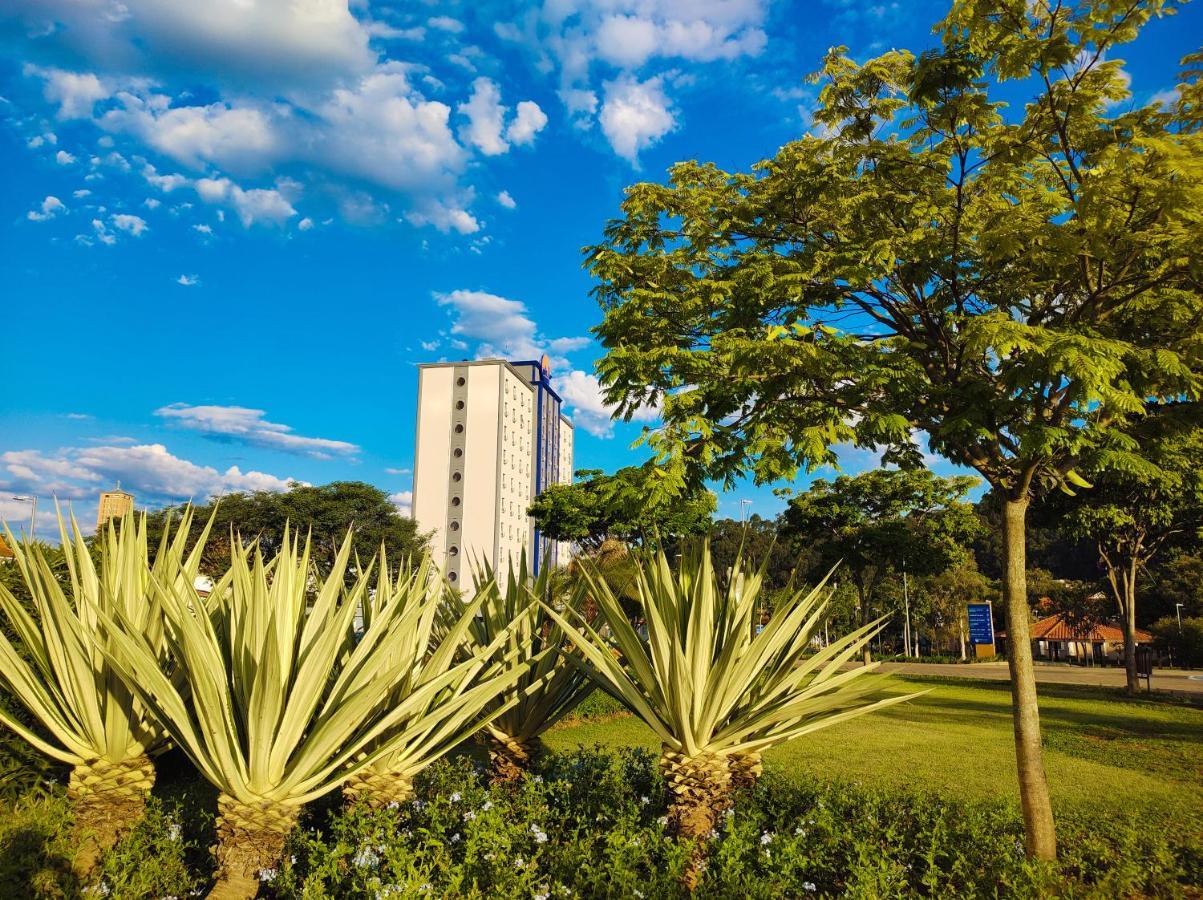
(1103, 753)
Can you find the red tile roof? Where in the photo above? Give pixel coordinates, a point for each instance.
(5, 551)
(1055, 628)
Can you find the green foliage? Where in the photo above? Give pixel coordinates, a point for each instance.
(1183, 641)
(1021, 284)
(625, 505)
(323, 511)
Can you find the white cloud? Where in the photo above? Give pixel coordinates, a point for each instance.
(81, 193)
(305, 224)
(635, 115)
(399, 471)
(485, 116)
(165, 183)
(501, 327)
(527, 122)
(218, 133)
(444, 217)
(151, 469)
(506, 200)
(100, 233)
(256, 205)
(248, 426)
(446, 23)
(50, 208)
(76, 93)
(63, 158)
(203, 229)
(404, 501)
(486, 128)
(135, 225)
(188, 280)
(582, 393)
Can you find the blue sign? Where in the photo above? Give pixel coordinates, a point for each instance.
(981, 624)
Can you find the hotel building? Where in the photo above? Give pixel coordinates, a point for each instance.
(490, 437)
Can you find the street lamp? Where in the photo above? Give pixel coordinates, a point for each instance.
(743, 510)
(33, 515)
(1178, 610)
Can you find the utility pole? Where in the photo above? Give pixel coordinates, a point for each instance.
(906, 603)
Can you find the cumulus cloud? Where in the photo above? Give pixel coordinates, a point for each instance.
(582, 392)
(257, 205)
(188, 280)
(135, 225)
(506, 200)
(248, 426)
(76, 93)
(63, 158)
(635, 115)
(486, 128)
(148, 470)
(404, 501)
(49, 208)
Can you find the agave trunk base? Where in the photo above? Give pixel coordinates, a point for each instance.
(108, 798)
(746, 769)
(700, 786)
(379, 788)
(509, 759)
(250, 840)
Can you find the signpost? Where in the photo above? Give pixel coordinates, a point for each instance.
(981, 629)
(1144, 665)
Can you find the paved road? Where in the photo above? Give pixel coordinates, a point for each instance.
(1179, 680)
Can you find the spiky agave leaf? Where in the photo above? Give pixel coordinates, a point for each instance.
(59, 672)
(708, 684)
(453, 680)
(283, 700)
(550, 686)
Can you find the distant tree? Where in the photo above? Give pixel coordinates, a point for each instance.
(1018, 282)
(759, 541)
(323, 512)
(947, 595)
(882, 522)
(624, 506)
(1181, 640)
(1131, 513)
(1177, 579)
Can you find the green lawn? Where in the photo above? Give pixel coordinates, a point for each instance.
(1103, 752)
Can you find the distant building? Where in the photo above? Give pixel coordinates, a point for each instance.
(490, 438)
(1055, 639)
(6, 552)
(113, 505)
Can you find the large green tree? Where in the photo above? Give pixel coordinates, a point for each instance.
(1018, 282)
(325, 512)
(1130, 514)
(597, 507)
(884, 522)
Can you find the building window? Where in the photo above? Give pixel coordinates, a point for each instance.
(455, 526)
(453, 550)
(456, 476)
(451, 576)
(461, 381)
(455, 501)
(458, 452)
(459, 428)
(459, 404)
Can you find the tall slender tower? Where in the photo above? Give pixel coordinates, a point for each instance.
(490, 437)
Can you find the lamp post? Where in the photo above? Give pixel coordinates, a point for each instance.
(33, 515)
(1178, 610)
(743, 510)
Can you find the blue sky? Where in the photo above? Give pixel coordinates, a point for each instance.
(229, 231)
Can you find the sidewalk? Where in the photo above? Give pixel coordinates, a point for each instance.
(1178, 680)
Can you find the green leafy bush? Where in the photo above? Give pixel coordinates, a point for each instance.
(591, 824)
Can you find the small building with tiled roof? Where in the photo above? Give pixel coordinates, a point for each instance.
(6, 552)
(1054, 638)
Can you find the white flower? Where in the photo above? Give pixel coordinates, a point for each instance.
(538, 779)
(469, 816)
(519, 863)
(365, 858)
(173, 831)
(454, 798)
(542, 895)
(486, 806)
(455, 838)
(539, 833)
(266, 875)
(645, 800)
(800, 831)
(809, 886)
(766, 839)
(663, 820)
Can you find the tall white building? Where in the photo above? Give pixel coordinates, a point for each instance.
(490, 438)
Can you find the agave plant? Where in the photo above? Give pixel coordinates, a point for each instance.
(450, 684)
(550, 685)
(714, 691)
(284, 701)
(57, 669)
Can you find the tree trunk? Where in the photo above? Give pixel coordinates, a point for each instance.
(250, 842)
(699, 790)
(107, 800)
(864, 620)
(961, 633)
(1040, 834)
(1129, 611)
